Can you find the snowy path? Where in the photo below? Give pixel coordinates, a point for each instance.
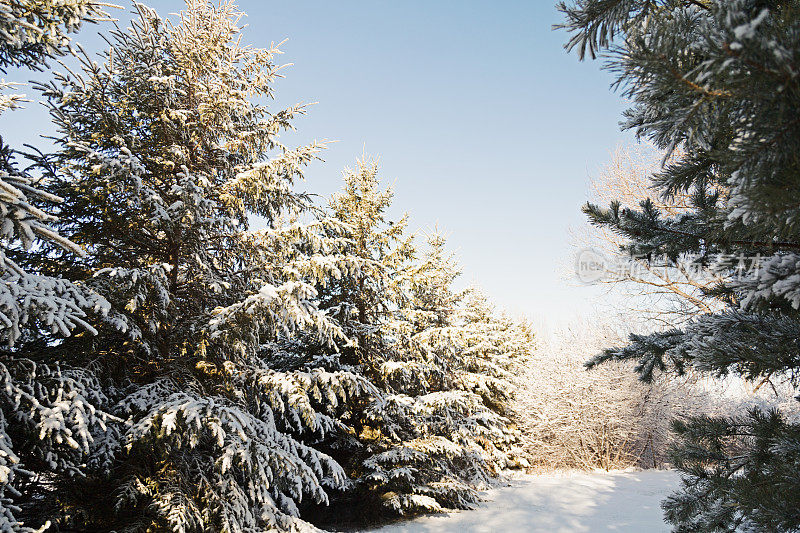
(565, 503)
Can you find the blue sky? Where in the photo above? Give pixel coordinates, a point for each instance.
(487, 128)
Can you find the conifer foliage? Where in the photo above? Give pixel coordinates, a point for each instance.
(163, 158)
(171, 368)
(441, 422)
(719, 80)
(47, 411)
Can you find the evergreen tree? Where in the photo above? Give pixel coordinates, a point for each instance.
(717, 79)
(224, 374)
(494, 346)
(362, 301)
(163, 159)
(427, 439)
(47, 409)
(36, 30)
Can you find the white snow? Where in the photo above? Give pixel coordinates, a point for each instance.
(561, 503)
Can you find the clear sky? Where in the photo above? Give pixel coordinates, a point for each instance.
(483, 123)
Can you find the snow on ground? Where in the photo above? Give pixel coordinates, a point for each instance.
(561, 503)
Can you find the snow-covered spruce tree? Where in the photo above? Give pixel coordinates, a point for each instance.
(447, 414)
(719, 80)
(428, 437)
(494, 345)
(35, 30)
(47, 408)
(163, 158)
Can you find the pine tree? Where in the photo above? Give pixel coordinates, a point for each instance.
(717, 79)
(163, 158)
(47, 409)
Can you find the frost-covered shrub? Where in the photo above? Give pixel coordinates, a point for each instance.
(605, 417)
(574, 418)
